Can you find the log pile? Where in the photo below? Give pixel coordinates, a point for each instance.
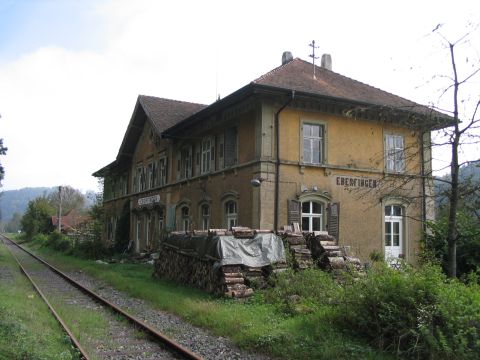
(329, 256)
(301, 254)
(234, 281)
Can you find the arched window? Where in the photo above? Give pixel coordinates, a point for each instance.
(185, 212)
(231, 213)
(312, 216)
(205, 216)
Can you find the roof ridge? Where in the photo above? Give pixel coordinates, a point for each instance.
(140, 96)
(271, 72)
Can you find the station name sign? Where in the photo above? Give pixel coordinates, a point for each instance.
(149, 200)
(355, 182)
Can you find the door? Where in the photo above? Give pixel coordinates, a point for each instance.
(393, 232)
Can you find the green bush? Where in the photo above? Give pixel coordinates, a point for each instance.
(40, 240)
(414, 313)
(59, 242)
(303, 292)
(91, 249)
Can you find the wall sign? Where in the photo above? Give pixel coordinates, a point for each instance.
(355, 182)
(149, 200)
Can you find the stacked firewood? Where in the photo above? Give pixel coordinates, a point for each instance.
(301, 254)
(228, 280)
(329, 256)
(233, 282)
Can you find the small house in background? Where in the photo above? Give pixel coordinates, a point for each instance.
(300, 144)
(71, 222)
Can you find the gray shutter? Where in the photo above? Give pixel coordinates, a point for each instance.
(230, 146)
(334, 220)
(294, 213)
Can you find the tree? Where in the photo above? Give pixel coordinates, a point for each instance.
(38, 217)
(462, 130)
(465, 123)
(71, 199)
(14, 224)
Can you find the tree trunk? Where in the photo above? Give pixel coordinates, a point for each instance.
(452, 233)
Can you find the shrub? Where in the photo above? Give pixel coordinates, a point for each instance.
(59, 242)
(415, 313)
(302, 292)
(40, 240)
(91, 249)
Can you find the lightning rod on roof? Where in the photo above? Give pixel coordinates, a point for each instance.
(312, 55)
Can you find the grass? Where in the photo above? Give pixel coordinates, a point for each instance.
(27, 328)
(254, 324)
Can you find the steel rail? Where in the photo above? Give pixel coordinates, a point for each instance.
(72, 337)
(187, 353)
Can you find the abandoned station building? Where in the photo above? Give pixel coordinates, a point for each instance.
(300, 144)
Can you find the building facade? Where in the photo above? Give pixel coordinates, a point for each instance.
(325, 151)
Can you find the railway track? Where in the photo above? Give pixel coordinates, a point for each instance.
(124, 337)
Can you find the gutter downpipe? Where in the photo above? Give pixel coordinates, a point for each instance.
(277, 161)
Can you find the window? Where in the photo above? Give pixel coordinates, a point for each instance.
(141, 181)
(185, 211)
(313, 143)
(162, 171)
(185, 163)
(312, 216)
(138, 231)
(151, 176)
(208, 155)
(161, 221)
(147, 223)
(205, 212)
(229, 148)
(394, 153)
(231, 213)
(393, 231)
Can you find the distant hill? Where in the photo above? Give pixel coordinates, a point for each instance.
(16, 201)
(467, 173)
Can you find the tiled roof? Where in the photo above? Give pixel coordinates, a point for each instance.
(165, 113)
(298, 75)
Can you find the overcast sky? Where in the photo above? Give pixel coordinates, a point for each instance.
(70, 71)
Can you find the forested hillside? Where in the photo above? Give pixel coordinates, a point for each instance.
(16, 201)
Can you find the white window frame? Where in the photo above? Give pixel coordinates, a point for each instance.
(162, 171)
(310, 215)
(185, 217)
(394, 153)
(205, 216)
(231, 217)
(307, 154)
(207, 155)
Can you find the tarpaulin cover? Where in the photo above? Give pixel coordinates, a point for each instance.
(261, 250)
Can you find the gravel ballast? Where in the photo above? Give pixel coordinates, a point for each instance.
(196, 339)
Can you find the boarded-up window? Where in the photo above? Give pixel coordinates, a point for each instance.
(230, 147)
(334, 220)
(293, 211)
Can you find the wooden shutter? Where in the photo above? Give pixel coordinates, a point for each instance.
(294, 214)
(334, 220)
